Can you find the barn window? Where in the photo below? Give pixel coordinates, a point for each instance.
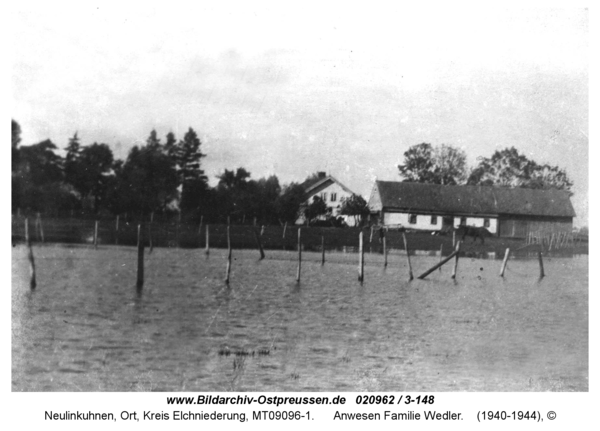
(333, 197)
(412, 218)
(486, 222)
(463, 220)
(433, 219)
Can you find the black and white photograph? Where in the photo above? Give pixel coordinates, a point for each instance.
(250, 197)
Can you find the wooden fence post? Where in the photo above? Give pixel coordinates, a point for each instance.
(117, 231)
(385, 262)
(32, 278)
(39, 223)
(506, 253)
(456, 260)
(96, 235)
(260, 247)
(361, 258)
(322, 250)
(150, 237)
(437, 265)
(207, 248)
(284, 229)
(299, 255)
(228, 269)
(410, 272)
(140, 268)
(541, 263)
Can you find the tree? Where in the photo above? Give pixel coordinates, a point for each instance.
(191, 178)
(38, 179)
(440, 165)
(146, 182)
(355, 206)
(288, 203)
(94, 168)
(153, 142)
(238, 193)
(449, 165)
(315, 209)
(508, 168)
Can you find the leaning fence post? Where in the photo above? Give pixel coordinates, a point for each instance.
(299, 255)
(410, 272)
(140, 268)
(506, 253)
(456, 260)
(228, 269)
(437, 265)
(361, 258)
(541, 262)
(284, 229)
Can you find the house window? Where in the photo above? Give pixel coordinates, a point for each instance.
(324, 197)
(463, 220)
(486, 222)
(333, 197)
(412, 218)
(433, 219)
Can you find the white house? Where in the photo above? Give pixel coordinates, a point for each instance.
(330, 190)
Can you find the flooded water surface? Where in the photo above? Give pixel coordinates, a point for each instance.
(85, 328)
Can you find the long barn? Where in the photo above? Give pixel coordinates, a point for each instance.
(506, 212)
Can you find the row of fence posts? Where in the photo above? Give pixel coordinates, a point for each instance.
(555, 240)
(140, 246)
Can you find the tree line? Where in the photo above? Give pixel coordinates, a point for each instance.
(166, 178)
(158, 177)
(447, 165)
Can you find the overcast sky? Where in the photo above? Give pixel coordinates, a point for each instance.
(291, 91)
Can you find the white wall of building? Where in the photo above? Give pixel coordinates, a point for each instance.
(423, 221)
(479, 222)
(332, 195)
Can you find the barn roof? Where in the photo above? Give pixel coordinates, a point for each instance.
(471, 199)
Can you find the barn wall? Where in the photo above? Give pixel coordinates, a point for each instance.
(520, 227)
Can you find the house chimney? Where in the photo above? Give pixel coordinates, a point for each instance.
(321, 175)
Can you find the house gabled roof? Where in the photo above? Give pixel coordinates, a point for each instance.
(486, 200)
(315, 185)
